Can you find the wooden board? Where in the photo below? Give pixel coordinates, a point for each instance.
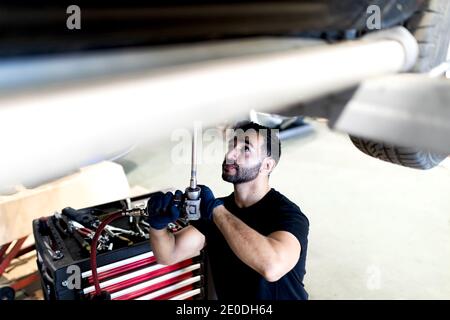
(91, 185)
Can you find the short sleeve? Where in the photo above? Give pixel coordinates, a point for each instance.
(200, 225)
(290, 218)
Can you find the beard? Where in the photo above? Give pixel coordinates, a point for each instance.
(242, 175)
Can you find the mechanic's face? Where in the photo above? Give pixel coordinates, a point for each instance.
(244, 158)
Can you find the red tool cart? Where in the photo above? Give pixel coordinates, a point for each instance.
(126, 266)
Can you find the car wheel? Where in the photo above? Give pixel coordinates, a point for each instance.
(430, 26)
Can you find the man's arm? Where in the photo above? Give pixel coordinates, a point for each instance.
(170, 248)
(272, 256)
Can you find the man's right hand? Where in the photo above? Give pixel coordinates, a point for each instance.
(162, 210)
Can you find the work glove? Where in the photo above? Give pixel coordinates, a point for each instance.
(208, 202)
(162, 210)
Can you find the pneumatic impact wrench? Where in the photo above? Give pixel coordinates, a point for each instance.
(190, 203)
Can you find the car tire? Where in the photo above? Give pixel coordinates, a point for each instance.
(430, 25)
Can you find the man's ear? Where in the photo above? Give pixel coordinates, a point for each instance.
(268, 165)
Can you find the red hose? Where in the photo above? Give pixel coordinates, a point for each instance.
(97, 234)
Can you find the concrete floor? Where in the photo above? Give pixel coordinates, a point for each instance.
(378, 231)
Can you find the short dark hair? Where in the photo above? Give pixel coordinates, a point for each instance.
(272, 140)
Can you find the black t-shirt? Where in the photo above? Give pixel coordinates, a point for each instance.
(233, 279)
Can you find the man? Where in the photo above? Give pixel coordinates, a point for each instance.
(256, 238)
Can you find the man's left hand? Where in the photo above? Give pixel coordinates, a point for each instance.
(208, 202)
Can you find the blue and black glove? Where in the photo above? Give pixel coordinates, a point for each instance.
(208, 202)
(162, 209)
